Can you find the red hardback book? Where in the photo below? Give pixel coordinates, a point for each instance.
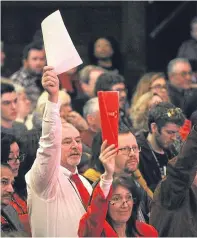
(109, 113)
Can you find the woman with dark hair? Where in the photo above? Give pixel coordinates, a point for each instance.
(113, 208)
(10, 154)
(105, 52)
(115, 216)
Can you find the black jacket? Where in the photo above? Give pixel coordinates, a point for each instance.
(147, 165)
(182, 98)
(10, 214)
(174, 207)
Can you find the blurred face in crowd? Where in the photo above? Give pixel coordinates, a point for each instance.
(14, 159)
(154, 101)
(167, 136)
(181, 76)
(2, 58)
(194, 31)
(9, 107)
(120, 87)
(71, 147)
(103, 49)
(127, 159)
(36, 61)
(159, 87)
(7, 180)
(65, 109)
(24, 105)
(94, 121)
(88, 88)
(120, 205)
(195, 180)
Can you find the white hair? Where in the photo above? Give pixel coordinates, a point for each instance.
(19, 89)
(91, 107)
(172, 63)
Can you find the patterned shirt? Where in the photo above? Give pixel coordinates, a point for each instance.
(31, 82)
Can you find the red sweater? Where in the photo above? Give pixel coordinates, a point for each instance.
(93, 222)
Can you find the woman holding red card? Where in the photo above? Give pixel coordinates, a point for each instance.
(113, 212)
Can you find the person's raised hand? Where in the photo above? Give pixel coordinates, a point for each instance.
(107, 158)
(50, 83)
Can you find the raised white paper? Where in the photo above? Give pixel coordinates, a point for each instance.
(60, 51)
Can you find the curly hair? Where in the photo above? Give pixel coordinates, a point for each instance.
(116, 57)
(164, 113)
(139, 111)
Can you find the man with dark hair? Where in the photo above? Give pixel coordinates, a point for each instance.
(157, 145)
(105, 52)
(115, 82)
(29, 76)
(9, 217)
(174, 208)
(9, 112)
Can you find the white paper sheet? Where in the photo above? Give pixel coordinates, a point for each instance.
(60, 51)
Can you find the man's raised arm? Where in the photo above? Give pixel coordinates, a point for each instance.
(43, 175)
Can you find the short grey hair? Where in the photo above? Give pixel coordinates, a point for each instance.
(91, 107)
(84, 74)
(172, 63)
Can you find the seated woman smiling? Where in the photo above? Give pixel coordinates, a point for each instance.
(113, 212)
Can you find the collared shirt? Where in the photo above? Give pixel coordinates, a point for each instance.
(54, 207)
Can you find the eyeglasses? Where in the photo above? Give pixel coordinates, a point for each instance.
(121, 90)
(118, 200)
(159, 87)
(21, 158)
(127, 150)
(184, 73)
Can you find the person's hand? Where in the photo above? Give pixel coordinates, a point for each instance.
(50, 83)
(77, 121)
(107, 157)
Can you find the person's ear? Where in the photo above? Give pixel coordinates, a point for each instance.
(154, 127)
(90, 119)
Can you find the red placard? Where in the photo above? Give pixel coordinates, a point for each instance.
(109, 113)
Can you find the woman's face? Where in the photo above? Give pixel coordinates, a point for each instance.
(121, 205)
(13, 161)
(159, 87)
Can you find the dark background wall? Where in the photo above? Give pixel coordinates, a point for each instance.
(129, 22)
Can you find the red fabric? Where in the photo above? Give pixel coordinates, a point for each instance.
(85, 196)
(93, 222)
(20, 206)
(185, 129)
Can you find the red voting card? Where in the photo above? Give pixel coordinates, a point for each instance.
(109, 113)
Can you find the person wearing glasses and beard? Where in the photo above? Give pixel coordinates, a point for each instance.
(10, 154)
(115, 208)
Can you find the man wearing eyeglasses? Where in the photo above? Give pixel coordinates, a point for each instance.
(180, 82)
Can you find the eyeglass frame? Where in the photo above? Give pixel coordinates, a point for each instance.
(121, 202)
(17, 158)
(130, 148)
(184, 73)
(159, 87)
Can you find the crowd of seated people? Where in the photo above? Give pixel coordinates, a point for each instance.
(60, 179)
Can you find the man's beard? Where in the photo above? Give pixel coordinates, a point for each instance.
(159, 142)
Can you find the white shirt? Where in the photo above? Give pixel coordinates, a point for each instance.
(53, 205)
